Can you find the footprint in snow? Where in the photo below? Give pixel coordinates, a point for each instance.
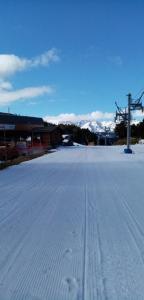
(74, 233)
(72, 284)
(68, 253)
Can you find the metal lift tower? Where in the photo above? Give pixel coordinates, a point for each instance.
(125, 116)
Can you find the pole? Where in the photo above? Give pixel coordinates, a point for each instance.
(129, 123)
(126, 117)
(105, 136)
(128, 149)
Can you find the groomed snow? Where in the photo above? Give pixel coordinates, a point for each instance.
(72, 226)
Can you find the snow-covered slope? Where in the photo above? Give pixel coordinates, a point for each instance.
(72, 226)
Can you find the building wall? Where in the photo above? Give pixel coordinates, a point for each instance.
(56, 138)
(45, 139)
(26, 127)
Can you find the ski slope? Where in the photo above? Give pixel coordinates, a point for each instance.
(72, 226)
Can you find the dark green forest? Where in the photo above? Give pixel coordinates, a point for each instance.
(137, 131)
(81, 136)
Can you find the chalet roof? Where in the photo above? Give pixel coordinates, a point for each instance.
(49, 128)
(7, 118)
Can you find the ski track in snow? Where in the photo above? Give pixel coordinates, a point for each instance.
(72, 226)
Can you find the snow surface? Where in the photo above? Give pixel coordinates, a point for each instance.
(72, 226)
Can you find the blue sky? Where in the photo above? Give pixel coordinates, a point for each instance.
(70, 57)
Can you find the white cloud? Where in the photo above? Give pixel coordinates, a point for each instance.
(45, 58)
(138, 114)
(97, 115)
(10, 63)
(7, 97)
(5, 85)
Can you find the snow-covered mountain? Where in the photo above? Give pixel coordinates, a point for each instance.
(96, 126)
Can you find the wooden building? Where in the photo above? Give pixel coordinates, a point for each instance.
(49, 135)
(27, 133)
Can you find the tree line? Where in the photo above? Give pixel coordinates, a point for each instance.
(79, 135)
(137, 130)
